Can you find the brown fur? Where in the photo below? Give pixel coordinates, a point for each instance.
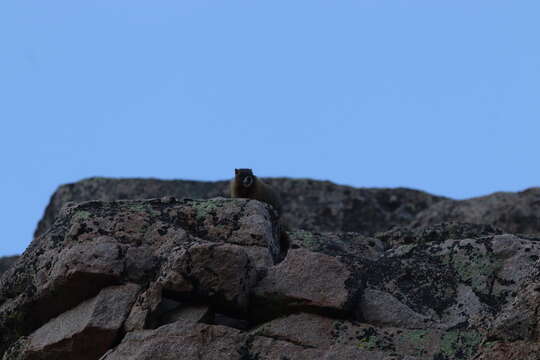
(243, 187)
(258, 190)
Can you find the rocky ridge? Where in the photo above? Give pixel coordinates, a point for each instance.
(215, 279)
(308, 204)
(324, 206)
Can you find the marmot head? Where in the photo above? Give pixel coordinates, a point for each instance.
(244, 177)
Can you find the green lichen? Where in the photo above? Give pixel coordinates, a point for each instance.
(369, 343)
(448, 343)
(205, 208)
(306, 238)
(459, 344)
(417, 341)
(81, 215)
(137, 207)
(415, 336)
(476, 268)
(143, 208)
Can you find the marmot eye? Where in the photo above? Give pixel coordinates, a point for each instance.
(247, 181)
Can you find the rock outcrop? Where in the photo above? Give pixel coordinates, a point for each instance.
(308, 204)
(166, 253)
(214, 279)
(219, 279)
(324, 206)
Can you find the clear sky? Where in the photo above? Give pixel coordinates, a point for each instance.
(441, 96)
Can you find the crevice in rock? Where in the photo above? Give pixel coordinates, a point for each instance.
(216, 318)
(245, 320)
(173, 304)
(165, 312)
(284, 244)
(219, 314)
(121, 333)
(534, 326)
(171, 310)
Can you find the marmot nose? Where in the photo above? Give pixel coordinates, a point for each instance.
(247, 181)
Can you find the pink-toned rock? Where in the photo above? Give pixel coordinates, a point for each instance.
(308, 330)
(517, 350)
(266, 348)
(84, 332)
(200, 271)
(520, 319)
(192, 250)
(99, 257)
(307, 279)
(380, 308)
(144, 307)
(180, 340)
(151, 310)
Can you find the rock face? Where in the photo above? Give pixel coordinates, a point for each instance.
(308, 204)
(165, 253)
(324, 206)
(6, 262)
(124, 189)
(219, 279)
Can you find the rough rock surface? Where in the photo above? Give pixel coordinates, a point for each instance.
(438, 232)
(6, 262)
(308, 204)
(109, 189)
(179, 340)
(84, 332)
(218, 278)
(181, 251)
(516, 213)
(324, 206)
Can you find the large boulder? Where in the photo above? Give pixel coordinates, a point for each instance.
(84, 332)
(108, 189)
(180, 340)
(177, 251)
(323, 273)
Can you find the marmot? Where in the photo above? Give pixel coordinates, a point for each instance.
(246, 185)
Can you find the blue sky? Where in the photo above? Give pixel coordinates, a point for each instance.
(433, 95)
